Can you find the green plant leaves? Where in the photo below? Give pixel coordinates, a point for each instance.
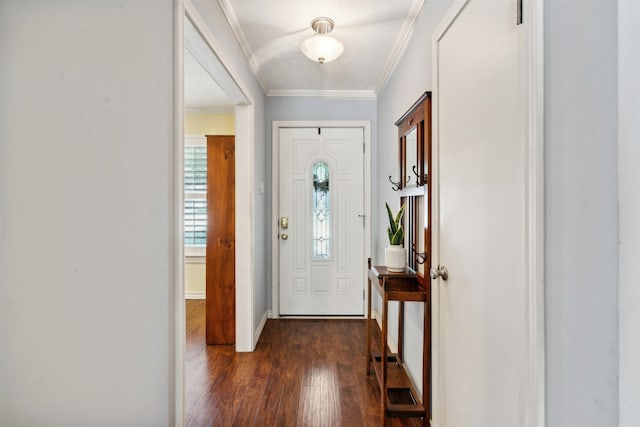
(395, 229)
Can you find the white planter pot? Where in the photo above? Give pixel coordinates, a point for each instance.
(395, 257)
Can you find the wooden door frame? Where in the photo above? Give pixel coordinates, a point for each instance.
(533, 398)
(275, 200)
(237, 91)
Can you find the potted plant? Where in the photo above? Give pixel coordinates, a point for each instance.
(395, 254)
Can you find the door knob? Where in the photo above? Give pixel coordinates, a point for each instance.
(440, 271)
(284, 236)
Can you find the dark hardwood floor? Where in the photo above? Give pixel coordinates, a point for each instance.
(302, 373)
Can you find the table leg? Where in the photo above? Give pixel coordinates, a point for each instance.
(383, 353)
(401, 330)
(368, 326)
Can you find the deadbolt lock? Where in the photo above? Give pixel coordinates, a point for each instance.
(284, 222)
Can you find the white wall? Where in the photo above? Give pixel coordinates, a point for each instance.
(629, 205)
(87, 213)
(219, 28)
(310, 108)
(410, 80)
(581, 213)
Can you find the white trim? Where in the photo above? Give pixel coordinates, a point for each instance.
(436, 384)
(533, 399)
(195, 140)
(245, 228)
(401, 43)
(270, 314)
(195, 295)
(195, 259)
(218, 66)
(376, 316)
(235, 89)
(210, 110)
(396, 52)
(258, 332)
(275, 197)
(232, 19)
(340, 94)
(179, 320)
(391, 342)
(245, 139)
(534, 21)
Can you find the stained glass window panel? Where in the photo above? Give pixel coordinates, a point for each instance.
(321, 211)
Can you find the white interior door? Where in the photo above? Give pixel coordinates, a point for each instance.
(322, 198)
(481, 353)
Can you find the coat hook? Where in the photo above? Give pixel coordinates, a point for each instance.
(396, 185)
(419, 178)
(421, 257)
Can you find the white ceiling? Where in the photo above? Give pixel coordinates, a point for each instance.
(373, 32)
(201, 92)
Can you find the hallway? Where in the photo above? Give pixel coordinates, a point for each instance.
(302, 373)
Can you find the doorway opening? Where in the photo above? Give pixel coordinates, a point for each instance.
(194, 43)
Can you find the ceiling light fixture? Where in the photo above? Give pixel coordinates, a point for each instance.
(321, 47)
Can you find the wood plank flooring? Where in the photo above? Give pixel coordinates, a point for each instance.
(302, 373)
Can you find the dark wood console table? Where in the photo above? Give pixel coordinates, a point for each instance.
(398, 395)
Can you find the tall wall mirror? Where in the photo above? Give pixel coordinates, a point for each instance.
(410, 163)
(414, 148)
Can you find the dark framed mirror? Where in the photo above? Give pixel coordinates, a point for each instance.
(412, 135)
(414, 148)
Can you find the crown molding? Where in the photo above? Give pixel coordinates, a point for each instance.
(232, 19)
(401, 43)
(397, 51)
(344, 94)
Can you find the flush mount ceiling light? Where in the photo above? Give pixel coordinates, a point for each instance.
(321, 47)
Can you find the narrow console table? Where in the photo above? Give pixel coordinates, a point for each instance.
(397, 393)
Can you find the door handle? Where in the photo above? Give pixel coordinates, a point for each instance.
(440, 271)
(284, 222)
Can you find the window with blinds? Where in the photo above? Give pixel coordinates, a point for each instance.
(195, 193)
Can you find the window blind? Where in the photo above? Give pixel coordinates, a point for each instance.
(195, 195)
(195, 169)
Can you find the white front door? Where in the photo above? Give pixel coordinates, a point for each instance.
(321, 222)
(481, 218)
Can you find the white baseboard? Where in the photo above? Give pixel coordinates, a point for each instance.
(194, 295)
(269, 314)
(375, 315)
(393, 345)
(263, 321)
